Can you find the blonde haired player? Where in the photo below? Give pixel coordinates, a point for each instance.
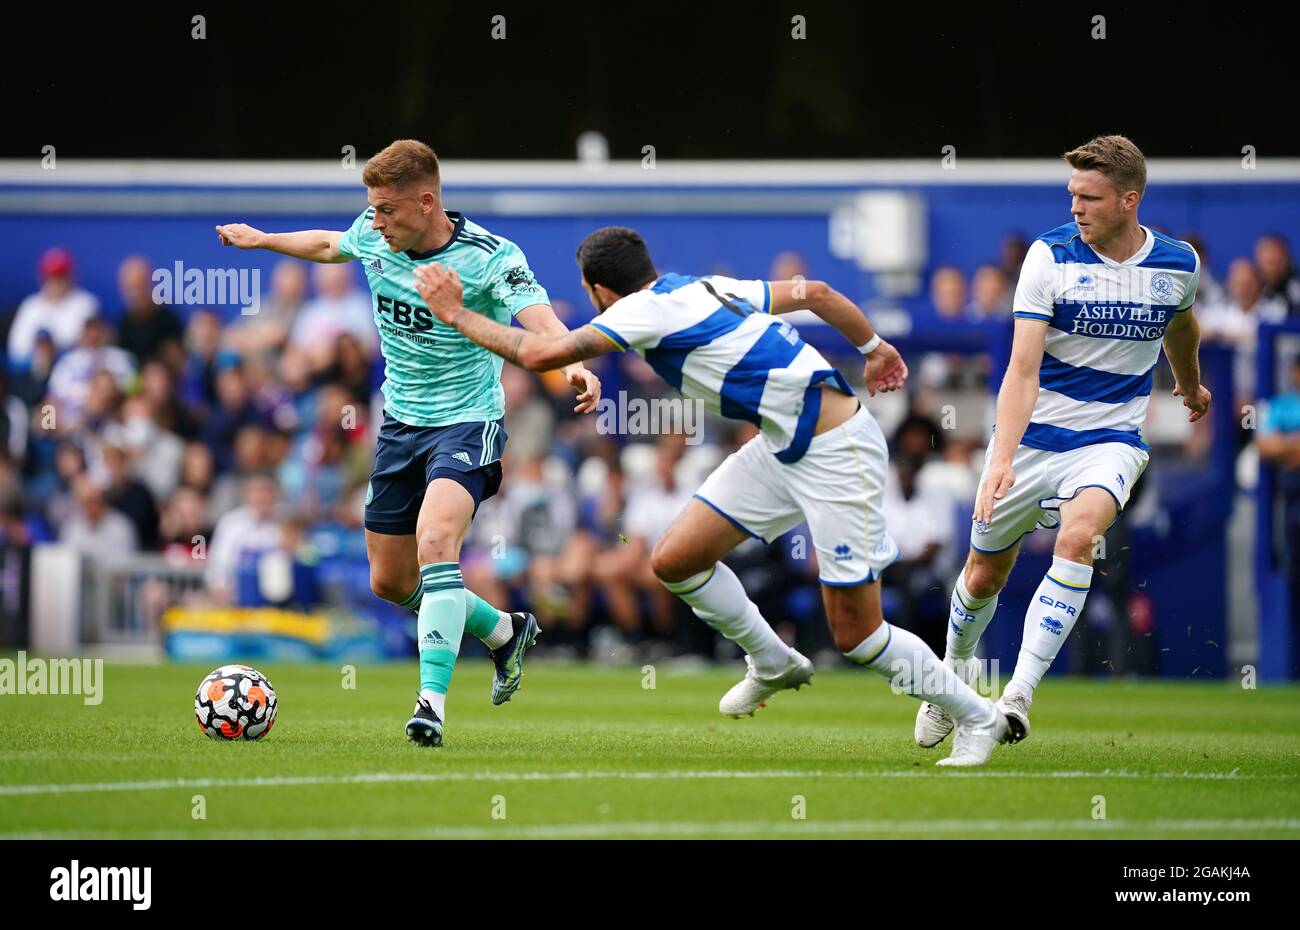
(1097, 299)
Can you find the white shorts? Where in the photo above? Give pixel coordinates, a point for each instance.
(837, 487)
(1045, 480)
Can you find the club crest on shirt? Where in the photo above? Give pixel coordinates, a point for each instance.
(1162, 286)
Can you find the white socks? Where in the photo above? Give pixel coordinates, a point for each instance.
(718, 598)
(437, 701)
(501, 633)
(1055, 607)
(905, 659)
(968, 618)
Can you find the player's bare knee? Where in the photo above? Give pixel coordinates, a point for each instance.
(386, 587)
(438, 544)
(1076, 543)
(984, 580)
(668, 561)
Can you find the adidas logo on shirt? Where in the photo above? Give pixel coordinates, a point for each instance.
(376, 265)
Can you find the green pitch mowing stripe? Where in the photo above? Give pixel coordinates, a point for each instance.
(588, 752)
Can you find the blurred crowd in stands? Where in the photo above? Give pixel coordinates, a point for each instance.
(131, 427)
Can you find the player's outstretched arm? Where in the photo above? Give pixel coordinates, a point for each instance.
(441, 290)
(314, 245)
(885, 369)
(1182, 341)
(540, 318)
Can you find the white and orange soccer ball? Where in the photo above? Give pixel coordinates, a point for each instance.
(235, 702)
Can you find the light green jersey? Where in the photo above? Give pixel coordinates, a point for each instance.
(433, 375)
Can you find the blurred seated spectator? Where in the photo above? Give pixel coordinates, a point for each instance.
(59, 308)
(13, 423)
(251, 528)
(73, 375)
(154, 452)
(948, 292)
(1279, 446)
(94, 528)
(1210, 293)
(32, 381)
(922, 522)
(146, 329)
(126, 494)
(623, 571)
(1011, 256)
(1236, 323)
(203, 357)
(183, 525)
(1278, 272)
(990, 295)
(234, 410)
(264, 334)
(338, 307)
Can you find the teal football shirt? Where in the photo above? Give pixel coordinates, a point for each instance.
(434, 376)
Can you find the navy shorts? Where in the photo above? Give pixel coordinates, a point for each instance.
(408, 458)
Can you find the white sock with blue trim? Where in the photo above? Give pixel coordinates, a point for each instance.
(913, 668)
(718, 598)
(968, 617)
(1055, 607)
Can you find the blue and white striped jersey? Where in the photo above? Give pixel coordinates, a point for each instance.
(1106, 323)
(714, 339)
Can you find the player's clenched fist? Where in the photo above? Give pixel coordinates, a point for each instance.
(241, 236)
(440, 288)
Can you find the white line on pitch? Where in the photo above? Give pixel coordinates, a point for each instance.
(705, 828)
(280, 781)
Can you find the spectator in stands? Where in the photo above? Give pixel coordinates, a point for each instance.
(922, 521)
(125, 493)
(1278, 272)
(249, 529)
(1279, 446)
(74, 373)
(154, 452)
(234, 409)
(1012, 256)
(183, 525)
(203, 356)
(264, 334)
(339, 307)
(990, 296)
(94, 529)
(1209, 291)
(623, 572)
(59, 308)
(147, 330)
(1236, 323)
(948, 292)
(30, 382)
(158, 388)
(14, 423)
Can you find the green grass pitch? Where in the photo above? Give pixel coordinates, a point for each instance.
(589, 752)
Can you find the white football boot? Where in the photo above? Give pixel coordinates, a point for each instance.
(933, 723)
(975, 740)
(1016, 708)
(749, 694)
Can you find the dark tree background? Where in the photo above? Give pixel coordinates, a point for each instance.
(694, 80)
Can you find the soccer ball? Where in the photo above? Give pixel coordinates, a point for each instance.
(235, 702)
